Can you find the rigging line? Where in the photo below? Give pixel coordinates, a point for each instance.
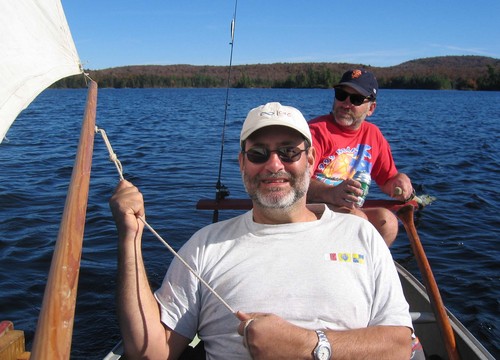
(219, 186)
(119, 168)
(87, 76)
(188, 266)
(112, 155)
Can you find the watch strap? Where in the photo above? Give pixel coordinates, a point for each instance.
(322, 343)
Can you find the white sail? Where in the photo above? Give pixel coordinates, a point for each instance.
(37, 50)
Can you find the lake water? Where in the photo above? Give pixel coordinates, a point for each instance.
(169, 142)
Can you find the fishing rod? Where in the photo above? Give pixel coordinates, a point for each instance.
(221, 190)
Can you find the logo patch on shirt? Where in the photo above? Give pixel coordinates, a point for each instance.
(346, 257)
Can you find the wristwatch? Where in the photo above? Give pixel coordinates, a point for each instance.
(323, 350)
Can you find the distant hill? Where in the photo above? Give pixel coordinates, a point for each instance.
(446, 72)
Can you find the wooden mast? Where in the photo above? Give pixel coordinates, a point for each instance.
(55, 323)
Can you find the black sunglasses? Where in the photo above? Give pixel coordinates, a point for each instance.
(287, 154)
(355, 99)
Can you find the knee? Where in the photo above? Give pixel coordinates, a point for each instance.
(389, 226)
(390, 219)
(385, 222)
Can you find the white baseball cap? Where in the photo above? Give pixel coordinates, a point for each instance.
(274, 113)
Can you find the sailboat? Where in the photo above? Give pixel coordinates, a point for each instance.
(39, 50)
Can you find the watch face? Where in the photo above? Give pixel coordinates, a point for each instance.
(323, 353)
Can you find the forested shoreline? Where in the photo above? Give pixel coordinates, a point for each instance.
(438, 73)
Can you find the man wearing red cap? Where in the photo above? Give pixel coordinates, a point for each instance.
(345, 143)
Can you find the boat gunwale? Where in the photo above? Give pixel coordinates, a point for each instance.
(465, 339)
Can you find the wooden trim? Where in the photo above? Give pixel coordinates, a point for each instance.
(55, 323)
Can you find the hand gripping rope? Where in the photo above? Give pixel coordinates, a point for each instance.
(119, 168)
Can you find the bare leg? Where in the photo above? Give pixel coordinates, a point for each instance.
(385, 222)
(382, 219)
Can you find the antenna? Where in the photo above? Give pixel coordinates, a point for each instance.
(221, 190)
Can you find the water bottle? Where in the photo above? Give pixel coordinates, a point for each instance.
(365, 179)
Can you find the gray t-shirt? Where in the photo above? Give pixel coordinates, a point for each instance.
(334, 273)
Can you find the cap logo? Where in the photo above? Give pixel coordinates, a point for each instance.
(277, 113)
(356, 74)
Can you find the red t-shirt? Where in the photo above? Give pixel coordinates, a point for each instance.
(340, 153)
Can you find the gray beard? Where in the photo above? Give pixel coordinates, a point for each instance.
(299, 190)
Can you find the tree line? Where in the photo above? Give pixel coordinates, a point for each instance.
(440, 73)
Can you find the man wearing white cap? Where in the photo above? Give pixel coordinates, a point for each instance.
(306, 282)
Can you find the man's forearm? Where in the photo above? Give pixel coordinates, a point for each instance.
(138, 311)
(275, 338)
(400, 181)
(344, 195)
(377, 342)
(319, 192)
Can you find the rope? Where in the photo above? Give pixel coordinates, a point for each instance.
(114, 158)
(112, 155)
(188, 266)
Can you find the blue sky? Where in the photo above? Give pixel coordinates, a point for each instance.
(110, 33)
